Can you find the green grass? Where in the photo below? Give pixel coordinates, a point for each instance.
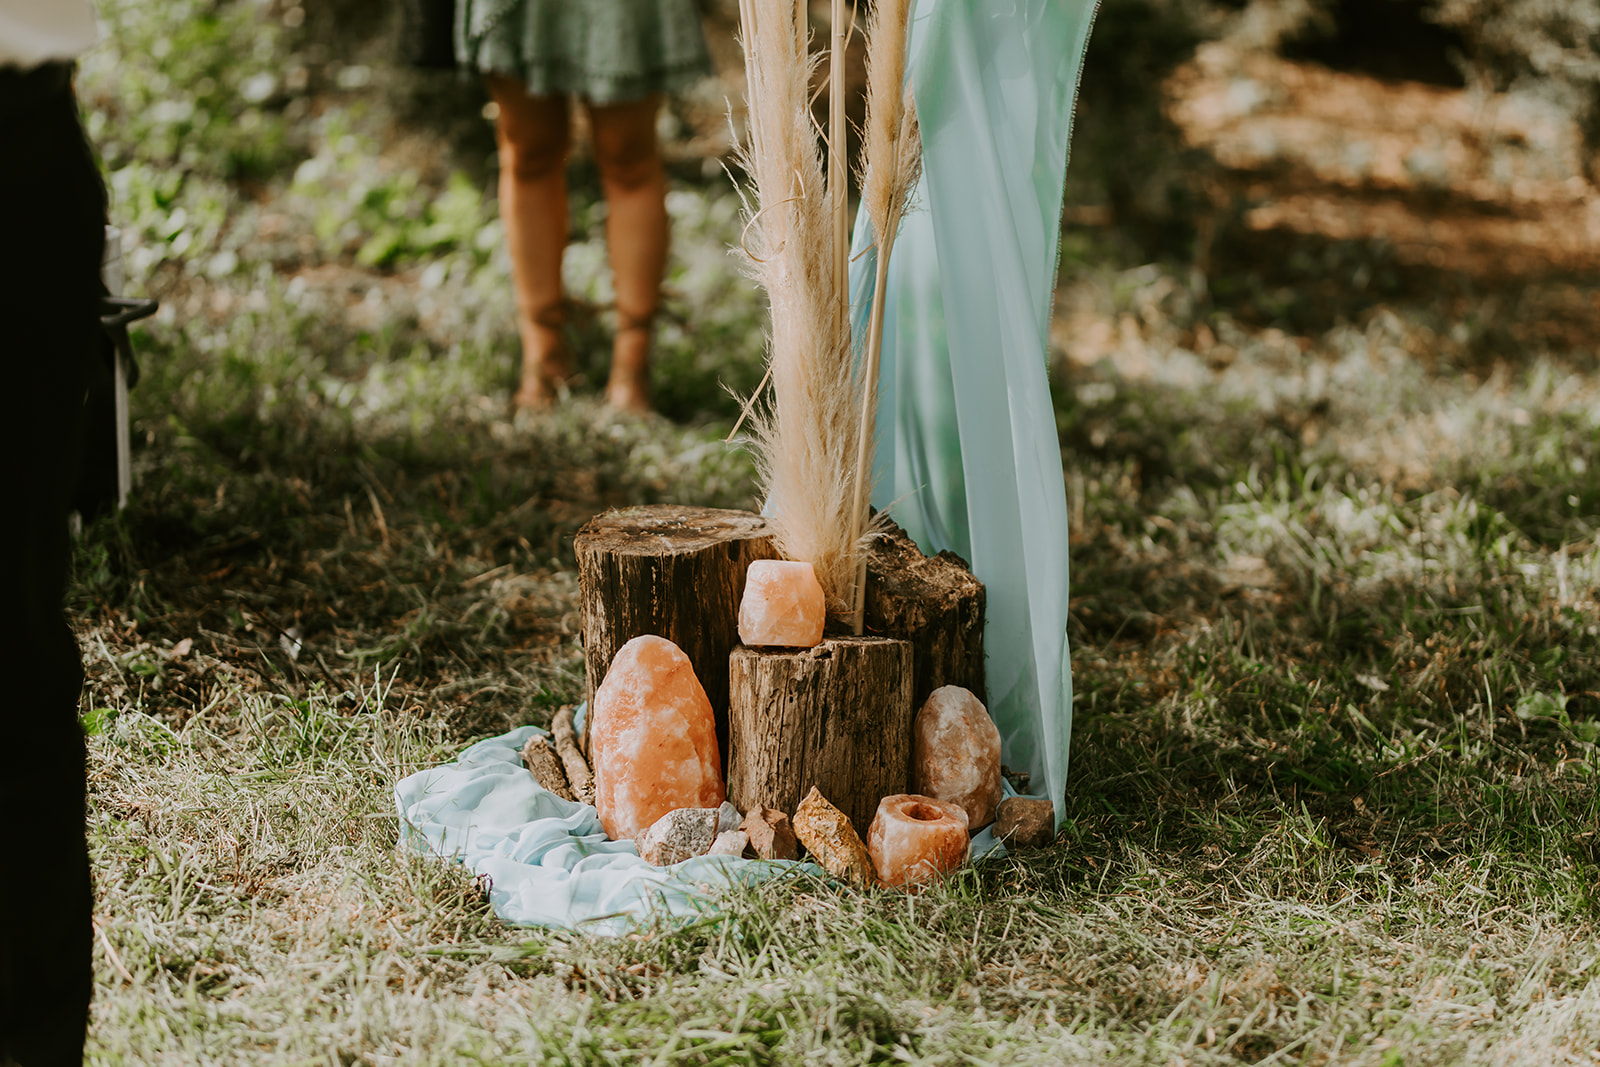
(1335, 625)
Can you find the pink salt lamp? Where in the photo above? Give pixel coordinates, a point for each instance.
(653, 743)
(916, 839)
(955, 753)
(782, 605)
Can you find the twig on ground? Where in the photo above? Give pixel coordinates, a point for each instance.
(565, 737)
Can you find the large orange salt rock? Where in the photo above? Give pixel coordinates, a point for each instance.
(916, 839)
(955, 753)
(782, 605)
(653, 743)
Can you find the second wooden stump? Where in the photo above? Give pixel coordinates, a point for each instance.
(837, 717)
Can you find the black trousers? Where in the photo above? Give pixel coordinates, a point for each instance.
(52, 217)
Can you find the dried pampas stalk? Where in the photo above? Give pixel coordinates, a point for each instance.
(893, 152)
(802, 448)
(838, 172)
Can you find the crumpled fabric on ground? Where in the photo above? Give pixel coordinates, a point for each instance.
(547, 860)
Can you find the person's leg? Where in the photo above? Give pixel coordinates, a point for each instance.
(533, 133)
(50, 307)
(635, 186)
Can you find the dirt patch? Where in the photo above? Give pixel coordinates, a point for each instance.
(1487, 184)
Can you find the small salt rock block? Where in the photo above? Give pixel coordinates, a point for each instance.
(728, 817)
(782, 605)
(729, 843)
(955, 753)
(832, 841)
(914, 840)
(1026, 822)
(771, 835)
(679, 835)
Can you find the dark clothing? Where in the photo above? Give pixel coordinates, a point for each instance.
(53, 205)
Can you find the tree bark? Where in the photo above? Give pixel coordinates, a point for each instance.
(674, 571)
(934, 603)
(837, 717)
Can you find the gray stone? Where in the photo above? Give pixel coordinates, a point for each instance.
(730, 843)
(728, 817)
(679, 835)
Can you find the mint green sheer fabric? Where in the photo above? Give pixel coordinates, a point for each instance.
(967, 457)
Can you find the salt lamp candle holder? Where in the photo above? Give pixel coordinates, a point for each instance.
(915, 839)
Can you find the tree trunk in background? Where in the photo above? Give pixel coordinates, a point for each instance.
(837, 717)
(673, 571)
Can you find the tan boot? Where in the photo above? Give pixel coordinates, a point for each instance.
(547, 370)
(628, 386)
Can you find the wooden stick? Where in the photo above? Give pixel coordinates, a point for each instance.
(838, 174)
(545, 765)
(579, 779)
(869, 416)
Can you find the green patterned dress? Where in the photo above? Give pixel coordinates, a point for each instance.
(606, 51)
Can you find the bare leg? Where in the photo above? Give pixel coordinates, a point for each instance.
(533, 133)
(635, 187)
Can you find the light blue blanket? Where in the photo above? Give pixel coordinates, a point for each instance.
(547, 860)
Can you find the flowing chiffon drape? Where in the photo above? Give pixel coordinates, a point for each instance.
(967, 455)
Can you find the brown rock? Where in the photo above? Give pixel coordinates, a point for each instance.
(542, 761)
(1026, 822)
(832, 841)
(771, 835)
(679, 835)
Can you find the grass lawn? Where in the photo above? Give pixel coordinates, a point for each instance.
(1336, 639)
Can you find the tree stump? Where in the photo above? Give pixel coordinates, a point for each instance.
(837, 716)
(674, 571)
(934, 603)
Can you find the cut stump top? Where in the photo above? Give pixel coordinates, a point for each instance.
(686, 528)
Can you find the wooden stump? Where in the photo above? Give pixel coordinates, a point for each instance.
(674, 571)
(934, 603)
(837, 717)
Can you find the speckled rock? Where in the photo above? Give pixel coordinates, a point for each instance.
(832, 841)
(679, 835)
